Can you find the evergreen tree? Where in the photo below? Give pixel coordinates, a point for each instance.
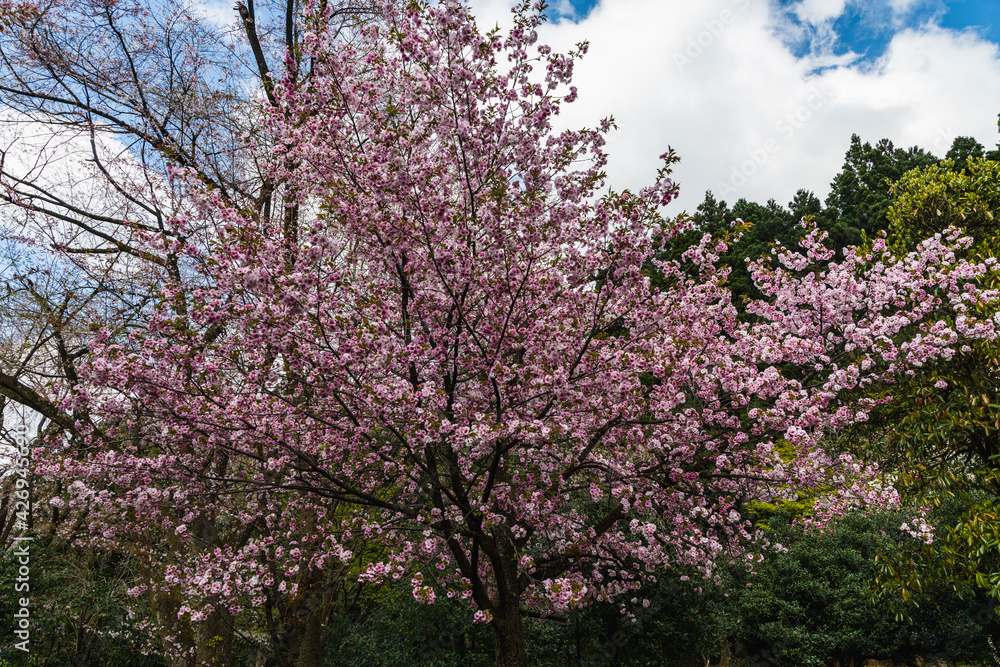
(962, 149)
(860, 192)
(805, 202)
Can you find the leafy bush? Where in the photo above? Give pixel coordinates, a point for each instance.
(77, 609)
(816, 603)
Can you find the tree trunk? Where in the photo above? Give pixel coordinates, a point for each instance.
(215, 634)
(508, 628)
(174, 635)
(310, 648)
(215, 640)
(303, 623)
(509, 633)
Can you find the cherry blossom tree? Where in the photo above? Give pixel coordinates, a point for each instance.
(100, 100)
(461, 344)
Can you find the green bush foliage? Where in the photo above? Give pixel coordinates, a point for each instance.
(816, 604)
(77, 609)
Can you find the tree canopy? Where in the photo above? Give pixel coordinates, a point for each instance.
(402, 331)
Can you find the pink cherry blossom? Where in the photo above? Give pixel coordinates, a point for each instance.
(460, 354)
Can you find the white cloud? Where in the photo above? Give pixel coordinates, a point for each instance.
(564, 8)
(717, 81)
(904, 6)
(818, 11)
(218, 12)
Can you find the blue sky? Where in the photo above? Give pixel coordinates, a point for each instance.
(761, 98)
(867, 28)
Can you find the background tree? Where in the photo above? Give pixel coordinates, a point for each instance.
(962, 150)
(102, 102)
(765, 226)
(859, 194)
(942, 428)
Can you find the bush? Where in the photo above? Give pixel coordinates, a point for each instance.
(817, 604)
(77, 609)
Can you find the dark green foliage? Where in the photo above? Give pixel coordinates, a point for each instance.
(388, 628)
(814, 599)
(860, 195)
(769, 224)
(677, 628)
(805, 202)
(962, 149)
(994, 154)
(812, 606)
(815, 604)
(685, 623)
(77, 610)
(766, 225)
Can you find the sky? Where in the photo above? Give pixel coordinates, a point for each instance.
(760, 98)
